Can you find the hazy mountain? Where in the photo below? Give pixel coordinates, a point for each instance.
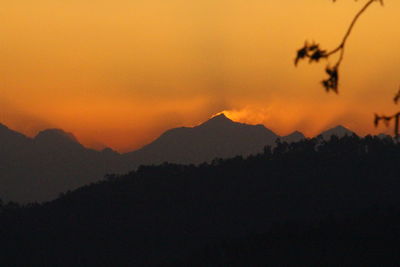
(219, 137)
(293, 137)
(57, 140)
(339, 131)
(11, 142)
(39, 168)
(54, 161)
(56, 137)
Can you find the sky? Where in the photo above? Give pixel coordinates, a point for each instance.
(118, 73)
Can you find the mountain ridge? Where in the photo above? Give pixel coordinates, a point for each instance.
(215, 120)
(39, 168)
(217, 137)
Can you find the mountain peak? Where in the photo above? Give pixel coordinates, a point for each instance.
(339, 131)
(55, 135)
(296, 133)
(217, 120)
(293, 137)
(9, 137)
(220, 117)
(340, 127)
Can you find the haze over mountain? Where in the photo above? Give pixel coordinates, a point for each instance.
(52, 162)
(39, 168)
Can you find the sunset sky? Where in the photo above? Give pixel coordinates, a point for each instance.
(120, 72)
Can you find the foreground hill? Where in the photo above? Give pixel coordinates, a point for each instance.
(297, 204)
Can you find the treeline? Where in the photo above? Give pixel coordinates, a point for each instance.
(310, 202)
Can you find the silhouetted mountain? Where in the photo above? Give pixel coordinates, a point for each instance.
(294, 205)
(11, 142)
(56, 136)
(338, 131)
(296, 136)
(56, 139)
(219, 137)
(109, 151)
(54, 161)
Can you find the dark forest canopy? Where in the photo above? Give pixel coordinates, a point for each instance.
(311, 197)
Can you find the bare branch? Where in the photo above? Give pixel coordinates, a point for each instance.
(387, 119)
(314, 53)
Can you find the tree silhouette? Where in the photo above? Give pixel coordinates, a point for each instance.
(388, 119)
(314, 53)
(315, 197)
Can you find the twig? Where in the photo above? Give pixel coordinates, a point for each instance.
(314, 53)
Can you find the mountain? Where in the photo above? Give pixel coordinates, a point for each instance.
(11, 142)
(293, 137)
(57, 140)
(338, 131)
(56, 137)
(39, 168)
(218, 137)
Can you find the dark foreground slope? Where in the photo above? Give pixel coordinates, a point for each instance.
(297, 205)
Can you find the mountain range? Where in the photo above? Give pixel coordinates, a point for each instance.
(39, 168)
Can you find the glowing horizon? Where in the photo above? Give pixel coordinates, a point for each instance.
(119, 73)
(241, 116)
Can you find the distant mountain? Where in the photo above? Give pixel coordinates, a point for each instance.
(293, 137)
(219, 137)
(339, 131)
(56, 136)
(39, 168)
(57, 139)
(11, 142)
(54, 161)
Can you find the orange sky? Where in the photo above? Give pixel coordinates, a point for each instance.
(120, 72)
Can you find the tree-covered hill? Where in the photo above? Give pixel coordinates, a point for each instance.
(297, 203)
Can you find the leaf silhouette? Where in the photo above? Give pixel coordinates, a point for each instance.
(397, 97)
(333, 80)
